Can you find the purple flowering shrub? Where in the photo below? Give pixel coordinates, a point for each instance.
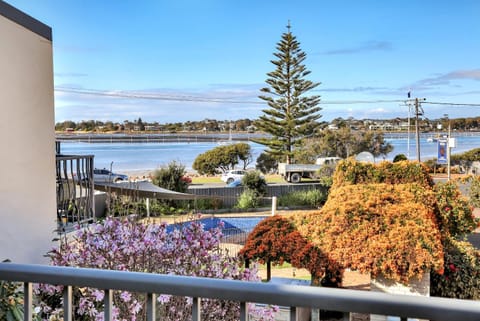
(128, 245)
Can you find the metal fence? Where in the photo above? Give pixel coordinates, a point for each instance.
(233, 239)
(75, 203)
(292, 296)
(230, 195)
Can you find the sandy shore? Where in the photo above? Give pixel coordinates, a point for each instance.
(148, 173)
(139, 174)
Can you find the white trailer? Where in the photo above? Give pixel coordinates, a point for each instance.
(294, 173)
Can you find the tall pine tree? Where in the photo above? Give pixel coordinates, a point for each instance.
(291, 115)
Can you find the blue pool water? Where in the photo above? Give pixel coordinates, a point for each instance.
(231, 225)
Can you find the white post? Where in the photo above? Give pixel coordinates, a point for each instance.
(449, 151)
(148, 207)
(274, 205)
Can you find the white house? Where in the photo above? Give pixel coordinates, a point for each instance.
(27, 141)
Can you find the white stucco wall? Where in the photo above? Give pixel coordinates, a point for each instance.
(416, 287)
(27, 142)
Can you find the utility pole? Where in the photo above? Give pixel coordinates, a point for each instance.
(417, 131)
(418, 112)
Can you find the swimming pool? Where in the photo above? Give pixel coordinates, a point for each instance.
(231, 225)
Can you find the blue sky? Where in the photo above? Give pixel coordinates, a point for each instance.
(209, 58)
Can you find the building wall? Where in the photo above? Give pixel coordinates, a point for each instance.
(27, 141)
(416, 287)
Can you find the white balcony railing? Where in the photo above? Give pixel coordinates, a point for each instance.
(431, 308)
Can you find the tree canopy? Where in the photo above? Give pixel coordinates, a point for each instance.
(342, 143)
(291, 114)
(223, 158)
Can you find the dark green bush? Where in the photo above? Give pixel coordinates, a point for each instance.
(454, 212)
(460, 277)
(312, 198)
(256, 182)
(173, 177)
(208, 204)
(400, 157)
(474, 190)
(266, 163)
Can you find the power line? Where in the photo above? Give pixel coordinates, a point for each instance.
(451, 104)
(136, 95)
(133, 95)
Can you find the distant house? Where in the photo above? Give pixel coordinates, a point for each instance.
(332, 127)
(152, 128)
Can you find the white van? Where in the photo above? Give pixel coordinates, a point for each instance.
(327, 160)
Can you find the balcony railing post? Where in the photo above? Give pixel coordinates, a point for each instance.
(108, 303)
(67, 303)
(196, 309)
(151, 306)
(293, 313)
(27, 301)
(243, 311)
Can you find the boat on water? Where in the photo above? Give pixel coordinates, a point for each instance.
(435, 138)
(227, 142)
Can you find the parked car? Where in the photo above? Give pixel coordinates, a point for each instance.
(235, 183)
(233, 175)
(104, 175)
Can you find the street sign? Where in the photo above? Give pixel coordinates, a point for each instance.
(442, 151)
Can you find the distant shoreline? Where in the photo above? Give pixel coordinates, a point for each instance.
(154, 138)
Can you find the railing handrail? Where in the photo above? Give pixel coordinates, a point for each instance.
(268, 293)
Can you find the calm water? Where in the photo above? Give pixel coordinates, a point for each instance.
(143, 156)
(234, 225)
(148, 156)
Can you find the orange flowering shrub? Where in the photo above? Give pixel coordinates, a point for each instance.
(384, 219)
(380, 228)
(277, 240)
(349, 172)
(274, 239)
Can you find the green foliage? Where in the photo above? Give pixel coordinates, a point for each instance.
(343, 143)
(460, 277)
(474, 190)
(248, 199)
(204, 165)
(325, 174)
(291, 115)
(470, 156)
(312, 198)
(374, 142)
(171, 177)
(267, 163)
(11, 301)
(208, 204)
(127, 205)
(243, 152)
(256, 182)
(454, 211)
(400, 157)
(223, 158)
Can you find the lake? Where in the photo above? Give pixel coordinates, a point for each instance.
(149, 156)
